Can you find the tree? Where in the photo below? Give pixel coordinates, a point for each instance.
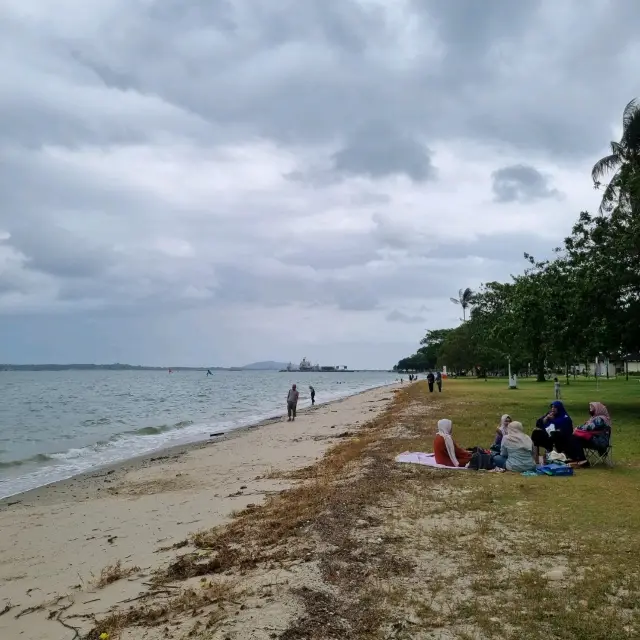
(583, 303)
(623, 162)
(465, 300)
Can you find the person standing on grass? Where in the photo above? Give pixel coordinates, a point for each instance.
(556, 388)
(439, 381)
(430, 380)
(292, 403)
(313, 395)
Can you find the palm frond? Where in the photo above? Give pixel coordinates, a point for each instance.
(604, 166)
(630, 112)
(455, 300)
(609, 197)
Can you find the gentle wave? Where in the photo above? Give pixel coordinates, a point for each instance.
(39, 457)
(118, 447)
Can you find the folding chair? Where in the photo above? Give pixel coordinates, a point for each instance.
(596, 457)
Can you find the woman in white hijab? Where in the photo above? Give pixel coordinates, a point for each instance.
(516, 450)
(446, 451)
(500, 431)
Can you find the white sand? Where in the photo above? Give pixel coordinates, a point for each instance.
(57, 539)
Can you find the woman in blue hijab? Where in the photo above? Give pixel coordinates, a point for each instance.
(554, 430)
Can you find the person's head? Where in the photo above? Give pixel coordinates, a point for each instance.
(597, 409)
(293, 386)
(557, 409)
(505, 420)
(555, 379)
(445, 426)
(514, 427)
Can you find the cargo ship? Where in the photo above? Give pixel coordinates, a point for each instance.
(305, 366)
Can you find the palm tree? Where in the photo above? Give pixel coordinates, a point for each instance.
(624, 162)
(465, 300)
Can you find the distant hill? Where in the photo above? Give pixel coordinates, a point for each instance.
(268, 365)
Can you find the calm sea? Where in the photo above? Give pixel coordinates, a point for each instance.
(54, 425)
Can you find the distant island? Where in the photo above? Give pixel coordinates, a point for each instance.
(269, 365)
(97, 367)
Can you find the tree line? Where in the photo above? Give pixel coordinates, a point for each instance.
(582, 304)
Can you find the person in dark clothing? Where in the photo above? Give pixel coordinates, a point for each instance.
(554, 430)
(209, 372)
(292, 403)
(439, 381)
(313, 395)
(430, 380)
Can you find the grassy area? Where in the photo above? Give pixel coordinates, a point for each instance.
(489, 400)
(367, 548)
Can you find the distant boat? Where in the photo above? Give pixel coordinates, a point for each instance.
(305, 366)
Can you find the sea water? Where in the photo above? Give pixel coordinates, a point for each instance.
(54, 425)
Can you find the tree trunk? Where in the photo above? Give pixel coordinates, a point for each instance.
(540, 369)
(566, 368)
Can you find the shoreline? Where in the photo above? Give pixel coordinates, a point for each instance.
(56, 540)
(170, 449)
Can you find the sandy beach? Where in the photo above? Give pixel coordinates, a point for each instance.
(55, 541)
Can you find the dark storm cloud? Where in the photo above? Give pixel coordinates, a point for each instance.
(521, 183)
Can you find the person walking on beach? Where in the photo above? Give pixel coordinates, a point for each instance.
(439, 381)
(313, 395)
(292, 403)
(430, 380)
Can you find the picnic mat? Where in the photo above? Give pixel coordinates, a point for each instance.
(426, 459)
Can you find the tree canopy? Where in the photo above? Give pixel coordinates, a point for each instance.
(582, 304)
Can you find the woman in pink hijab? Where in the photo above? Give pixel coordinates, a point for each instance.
(595, 433)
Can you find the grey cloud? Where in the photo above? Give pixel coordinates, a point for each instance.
(398, 316)
(378, 151)
(307, 72)
(508, 248)
(521, 183)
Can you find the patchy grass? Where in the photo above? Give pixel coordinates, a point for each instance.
(202, 605)
(114, 572)
(403, 551)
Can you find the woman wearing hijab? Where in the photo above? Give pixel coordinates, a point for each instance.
(500, 431)
(595, 433)
(446, 451)
(554, 429)
(516, 450)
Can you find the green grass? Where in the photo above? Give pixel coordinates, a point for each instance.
(475, 422)
(588, 523)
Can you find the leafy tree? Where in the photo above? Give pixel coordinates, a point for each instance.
(465, 300)
(583, 303)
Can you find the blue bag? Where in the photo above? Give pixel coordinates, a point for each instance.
(554, 469)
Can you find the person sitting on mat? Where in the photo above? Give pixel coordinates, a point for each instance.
(595, 433)
(446, 451)
(516, 450)
(554, 429)
(500, 431)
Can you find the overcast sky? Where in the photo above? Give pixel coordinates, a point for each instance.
(213, 182)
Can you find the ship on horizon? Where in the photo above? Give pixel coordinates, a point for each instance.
(305, 366)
